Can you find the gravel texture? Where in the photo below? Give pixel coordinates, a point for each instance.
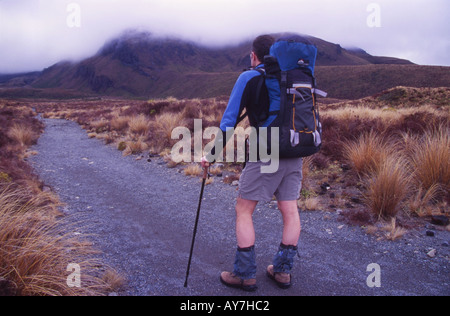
(141, 216)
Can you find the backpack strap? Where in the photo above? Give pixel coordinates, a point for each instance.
(320, 92)
(258, 94)
(260, 84)
(241, 118)
(283, 89)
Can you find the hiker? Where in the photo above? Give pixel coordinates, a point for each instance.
(255, 186)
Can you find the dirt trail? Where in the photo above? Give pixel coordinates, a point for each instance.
(141, 215)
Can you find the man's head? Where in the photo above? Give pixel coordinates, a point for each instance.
(261, 47)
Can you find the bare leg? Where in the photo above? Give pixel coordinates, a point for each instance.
(291, 220)
(245, 231)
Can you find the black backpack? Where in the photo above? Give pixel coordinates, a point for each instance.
(289, 78)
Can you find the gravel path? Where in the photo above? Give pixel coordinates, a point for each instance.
(141, 216)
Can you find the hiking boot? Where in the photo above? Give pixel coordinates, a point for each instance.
(283, 280)
(231, 280)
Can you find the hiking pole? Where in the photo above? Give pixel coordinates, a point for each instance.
(205, 175)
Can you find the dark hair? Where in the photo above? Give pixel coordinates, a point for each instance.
(262, 45)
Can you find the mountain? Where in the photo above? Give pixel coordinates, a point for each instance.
(141, 65)
(19, 80)
(377, 60)
(355, 82)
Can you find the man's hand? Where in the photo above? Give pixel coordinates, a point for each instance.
(205, 163)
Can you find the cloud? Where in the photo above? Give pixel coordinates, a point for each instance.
(35, 34)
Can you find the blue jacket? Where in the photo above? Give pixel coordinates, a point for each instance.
(257, 105)
(242, 97)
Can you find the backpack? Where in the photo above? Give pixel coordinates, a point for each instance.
(289, 80)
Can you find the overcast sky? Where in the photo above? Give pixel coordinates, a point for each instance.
(35, 34)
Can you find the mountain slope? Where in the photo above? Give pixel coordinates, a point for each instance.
(350, 82)
(139, 64)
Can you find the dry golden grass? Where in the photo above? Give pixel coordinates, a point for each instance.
(139, 125)
(312, 204)
(392, 231)
(387, 187)
(431, 159)
(35, 247)
(162, 127)
(36, 251)
(134, 147)
(349, 113)
(194, 170)
(367, 153)
(420, 201)
(113, 280)
(215, 170)
(409, 166)
(401, 98)
(22, 134)
(120, 123)
(388, 230)
(100, 126)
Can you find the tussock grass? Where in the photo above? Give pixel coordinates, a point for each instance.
(36, 245)
(18, 130)
(401, 158)
(193, 170)
(124, 121)
(36, 251)
(367, 153)
(139, 125)
(22, 134)
(421, 199)
(387, 187)
(135, 146)
(100, 126)
(411, 172)
(119, 123)
(312, 204)
(393, 231)
(216, 170)
(431, 159)
(162, 127)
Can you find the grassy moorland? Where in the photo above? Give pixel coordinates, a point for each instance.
(395, 152)
(36, 245)
(385, 164)
(384, 157)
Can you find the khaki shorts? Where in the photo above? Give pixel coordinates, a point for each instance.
(285, 184)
